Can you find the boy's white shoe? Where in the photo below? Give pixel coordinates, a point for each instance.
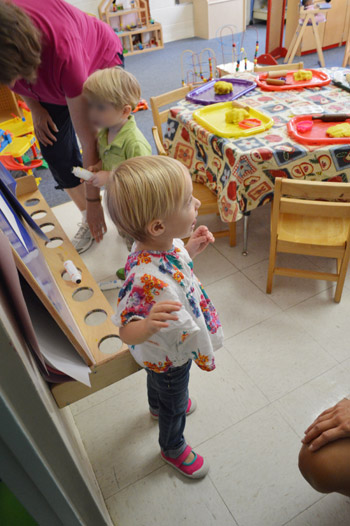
(83, 239)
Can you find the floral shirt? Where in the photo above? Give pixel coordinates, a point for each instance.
(168, 276)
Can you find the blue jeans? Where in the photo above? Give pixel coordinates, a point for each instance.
(168, 398)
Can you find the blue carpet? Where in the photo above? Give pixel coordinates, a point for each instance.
(160, 71)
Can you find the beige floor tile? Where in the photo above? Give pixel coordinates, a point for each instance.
(304, 404)
(165, 498)
(327, 322)
(224, 396)
(332, 510)
(287, 291)
(120, 435)
(254, 468)
(210, 266)
(240, 303)
(279, 355)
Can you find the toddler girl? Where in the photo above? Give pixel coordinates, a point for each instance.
(163, 312)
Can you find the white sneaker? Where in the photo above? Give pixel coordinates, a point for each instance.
(83, 239)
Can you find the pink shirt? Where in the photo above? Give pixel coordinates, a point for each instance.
(74, 46)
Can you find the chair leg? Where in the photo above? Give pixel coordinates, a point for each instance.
(245, 233)
(341, 278)
(232, 230)
(272, 264)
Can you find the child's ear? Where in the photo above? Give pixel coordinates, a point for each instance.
(156, 228)
(127, 110)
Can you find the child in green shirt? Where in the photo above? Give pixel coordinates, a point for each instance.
(112, 94)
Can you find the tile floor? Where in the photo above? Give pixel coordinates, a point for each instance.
(285, 358)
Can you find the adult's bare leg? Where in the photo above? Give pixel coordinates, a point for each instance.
(327, 470)
(77, 194)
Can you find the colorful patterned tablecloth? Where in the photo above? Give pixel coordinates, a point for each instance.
(242, 171)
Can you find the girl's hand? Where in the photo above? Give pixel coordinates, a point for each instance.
(332, 424)
(139, 331)
(199, 241)
(159, 315)
(43, 125)
(99, 178)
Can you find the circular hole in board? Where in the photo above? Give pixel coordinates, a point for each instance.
(32, 202)
(110, 344)
(39, 214)
(47, 227)
(82, 294)
(66, 277)
(95, 317)
(54, 242)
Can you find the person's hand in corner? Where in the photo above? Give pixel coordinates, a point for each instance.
(331, 425)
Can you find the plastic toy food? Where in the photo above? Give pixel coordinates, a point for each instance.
(302, 74)
(304, 126)
(249, 123)
(236, 115)
(221, 87)
(340, 130)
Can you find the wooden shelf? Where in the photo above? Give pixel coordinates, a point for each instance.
(136, 31)
(141, 14)
(124, 12)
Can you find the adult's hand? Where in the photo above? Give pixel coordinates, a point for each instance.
(331, 425)
(44, 126)
(96, 220)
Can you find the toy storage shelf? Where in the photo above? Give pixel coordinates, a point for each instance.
(155, 35)
(143, 34)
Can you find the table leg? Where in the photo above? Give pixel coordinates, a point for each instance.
(245, 233)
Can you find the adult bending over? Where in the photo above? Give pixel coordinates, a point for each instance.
(324, 458)
(48, 49)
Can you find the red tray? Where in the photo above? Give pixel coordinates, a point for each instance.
(319, 78)
(318, 133)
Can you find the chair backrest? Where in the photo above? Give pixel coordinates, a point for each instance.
(160, 117)
(310, 198)
(279, 67)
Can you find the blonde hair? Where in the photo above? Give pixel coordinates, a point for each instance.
(142, 189)
(114, 85)
(20, 45)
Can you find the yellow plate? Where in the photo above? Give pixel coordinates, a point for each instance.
(212, 118)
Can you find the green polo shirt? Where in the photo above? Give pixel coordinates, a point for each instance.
(129, 142)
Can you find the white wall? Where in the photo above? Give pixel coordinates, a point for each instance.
(176, 20)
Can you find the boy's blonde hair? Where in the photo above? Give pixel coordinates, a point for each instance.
(114, 85)
(143, 189)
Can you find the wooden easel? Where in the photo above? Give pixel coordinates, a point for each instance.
(106, 368)
(347, 46)
(308, 16)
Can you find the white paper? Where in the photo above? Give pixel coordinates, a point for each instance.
(53, 343)
(67, 361)
(10, 218)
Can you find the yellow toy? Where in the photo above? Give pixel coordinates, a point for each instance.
(236, 115)
(221, 87)
(302, 74)
(340, 130)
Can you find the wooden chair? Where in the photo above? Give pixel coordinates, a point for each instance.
(313, 219)
(200, 191)
(279, 67)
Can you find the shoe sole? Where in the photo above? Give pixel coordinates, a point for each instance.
(81, 251)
